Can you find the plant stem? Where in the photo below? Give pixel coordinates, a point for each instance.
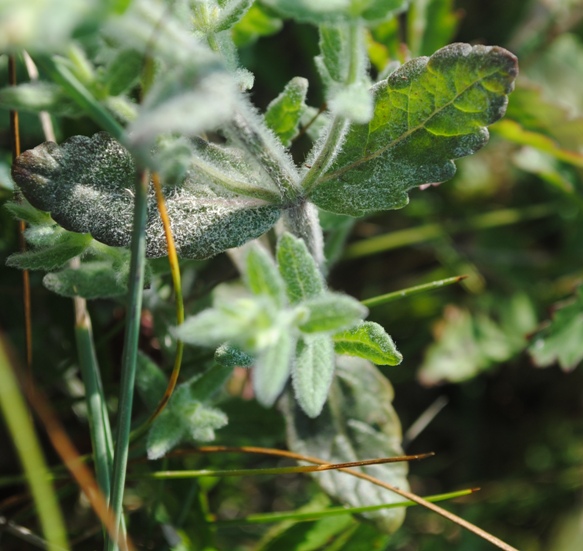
(23, 435)
(302, 221)
(135, 292)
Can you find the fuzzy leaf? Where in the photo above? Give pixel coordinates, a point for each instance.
(91, 280)
(284, 113)
(428, 112)
(86, 184)
(204, 387)
(230, 356)
(370, 341)
(38, 96)
(25, 211)
(183, 419)
(232, 11)
(327, 11)
(332, 312)
(123, 71)
(272, 368)
(312, 372)
(151, 381)
(357, 422)
(262, 276)
(561, 340)
(298, 268)
(69, 245)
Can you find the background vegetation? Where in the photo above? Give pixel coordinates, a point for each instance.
(511, 220)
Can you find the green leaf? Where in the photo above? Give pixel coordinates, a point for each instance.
(561, 340)
(230, 356)
(38, 96)
(69, 245)
(151, 381)
(333, 11)
(90, 280)
(312, 372)
(347, 87)
(428, 112)
(123, 71)
(272, 368)
(262, 276)
(284, 113)
(203, 387)
(332, 312)
(298, 268)
(369, 341)
(86, 184)
(256, 22)
(185, 418)
(357, 422)
(232, 11)
(25, 211)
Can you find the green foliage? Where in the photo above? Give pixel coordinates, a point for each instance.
(368, 340)
(560, 340)
(433, 109)
(284, 113)
(357, 421)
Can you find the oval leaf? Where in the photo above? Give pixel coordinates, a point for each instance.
(369, 341)
(332, 312)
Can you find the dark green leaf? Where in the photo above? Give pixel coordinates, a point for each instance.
(124, 70)
(357, 422)
(231, 356)
(86, 184)
(298, 268)
(369, 341)
(428, 112)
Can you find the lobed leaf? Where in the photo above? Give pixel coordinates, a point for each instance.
(427, 113)
(284, 113)
(370, 341)
(312, 372)
(357, 422)
(303, 279)
(86, 184)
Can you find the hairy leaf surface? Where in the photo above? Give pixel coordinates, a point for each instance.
(357, 422)
(370, 341)
(427, 113)
(87, 186)
(284, 113)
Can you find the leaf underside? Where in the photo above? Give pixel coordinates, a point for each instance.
(87, 186)
(427, 113)
(357, 422)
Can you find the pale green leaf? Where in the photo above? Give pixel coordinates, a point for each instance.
(298, 268)
(255, 23)
(272, 368)
(68, 245)
(333, 11)
(370, 341)
(284, 113)
(312, 372)
(90, 280)
(87, 186)
(232, 11)
(561, 340)
(25, 211)
(331, 312)
(38, 96)
(427, 113)
(357, 422)
(262, 277)
(166, 431)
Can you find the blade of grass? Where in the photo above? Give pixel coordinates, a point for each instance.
(26, 442)
(128, 374)
(410, 291)
(430, 232)
(263, 518)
